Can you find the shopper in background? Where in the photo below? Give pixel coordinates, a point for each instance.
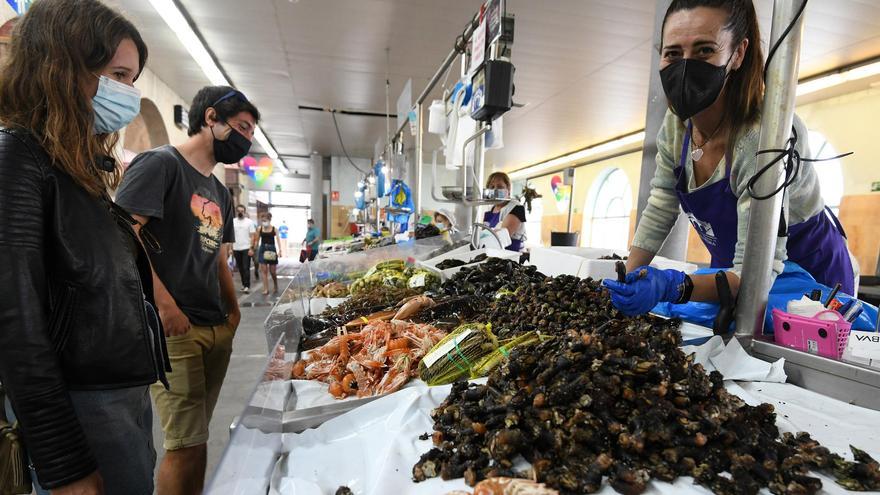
(269, 251)
(77, 348)
(711, 68)
(312, 242)
(443, 218)
(242, 248)
(445, 222)
(173, 194)
(510, 215)
(283, 231)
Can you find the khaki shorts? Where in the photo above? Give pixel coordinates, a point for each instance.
(199, 360)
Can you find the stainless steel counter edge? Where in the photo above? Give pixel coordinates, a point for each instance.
(848, 382)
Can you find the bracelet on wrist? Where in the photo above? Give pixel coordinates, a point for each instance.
(686, 289)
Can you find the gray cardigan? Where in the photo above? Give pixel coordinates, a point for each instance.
(803, 199)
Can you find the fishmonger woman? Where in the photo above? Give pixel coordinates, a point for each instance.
(712, 72)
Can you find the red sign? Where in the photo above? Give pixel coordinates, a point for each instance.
(334, 195)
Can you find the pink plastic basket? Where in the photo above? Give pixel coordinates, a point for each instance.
(823, 337)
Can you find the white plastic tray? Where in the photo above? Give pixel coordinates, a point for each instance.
(465, 255)
(584, 262)
(317, 305)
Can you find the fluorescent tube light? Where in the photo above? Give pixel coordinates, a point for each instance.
(261, 138)
(175, 20)
(837, 78)
(628, 140)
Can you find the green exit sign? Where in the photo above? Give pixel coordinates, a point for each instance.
(875, 186)
(278, 187)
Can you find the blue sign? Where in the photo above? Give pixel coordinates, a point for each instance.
(20, 6)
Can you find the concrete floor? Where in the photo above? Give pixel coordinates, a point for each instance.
(249, 356)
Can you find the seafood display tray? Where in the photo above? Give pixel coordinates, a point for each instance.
(465, 254)
(296, 419)
(374, 448)
(584, 262)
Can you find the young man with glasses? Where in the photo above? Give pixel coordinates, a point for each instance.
(172, 193)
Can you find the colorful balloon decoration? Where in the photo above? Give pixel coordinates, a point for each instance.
(260, 170)
(561, 192)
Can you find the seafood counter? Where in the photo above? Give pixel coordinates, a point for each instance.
(497, 379)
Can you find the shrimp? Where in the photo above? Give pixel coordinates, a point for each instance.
(512, 486)
(299, 369)
(379, 359)
(343, 348)
(398, 344)
(413, 306)
(336, 390)
(347, 382)
(369, 319)
(392, 381)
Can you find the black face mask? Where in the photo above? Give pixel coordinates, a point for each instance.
(692, 85)
(240, 215)
(233, 149)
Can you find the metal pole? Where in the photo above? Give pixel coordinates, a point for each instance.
(675, 245)
(778, 112)
(459, 48)
(417, 204)
(316, 188)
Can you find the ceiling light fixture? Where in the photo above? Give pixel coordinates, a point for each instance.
(844, 76)
(616, 144)
(174, 18)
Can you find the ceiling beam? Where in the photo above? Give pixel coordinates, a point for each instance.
(358, 113)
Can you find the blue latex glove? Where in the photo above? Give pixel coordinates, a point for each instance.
(636, 296)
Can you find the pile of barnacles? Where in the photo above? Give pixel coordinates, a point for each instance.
(622, 403)
(551, 306)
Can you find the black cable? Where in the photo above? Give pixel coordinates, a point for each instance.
(785, 34)
(341, 144)
(792, 165)
(789, 155)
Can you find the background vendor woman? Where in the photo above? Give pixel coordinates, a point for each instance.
(711, 69)
(510, 215)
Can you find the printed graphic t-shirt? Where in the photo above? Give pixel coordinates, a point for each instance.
(191, 217)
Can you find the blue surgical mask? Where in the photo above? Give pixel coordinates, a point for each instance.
(115, 105)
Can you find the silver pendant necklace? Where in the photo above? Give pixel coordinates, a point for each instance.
(697, 151)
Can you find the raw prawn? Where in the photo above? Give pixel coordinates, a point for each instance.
(369, 319)
(379, 359)
(512, 486)
(413, 306)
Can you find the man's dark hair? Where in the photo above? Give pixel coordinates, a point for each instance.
(227, 102)
(241, 206)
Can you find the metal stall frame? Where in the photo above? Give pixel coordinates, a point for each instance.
(459, 48)
(841, 380)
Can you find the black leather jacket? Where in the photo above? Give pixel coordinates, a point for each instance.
(73, 280)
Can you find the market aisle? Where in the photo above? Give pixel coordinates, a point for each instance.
(248, 358)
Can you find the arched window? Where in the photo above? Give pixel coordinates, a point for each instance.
(609, 205)
(830, 173)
